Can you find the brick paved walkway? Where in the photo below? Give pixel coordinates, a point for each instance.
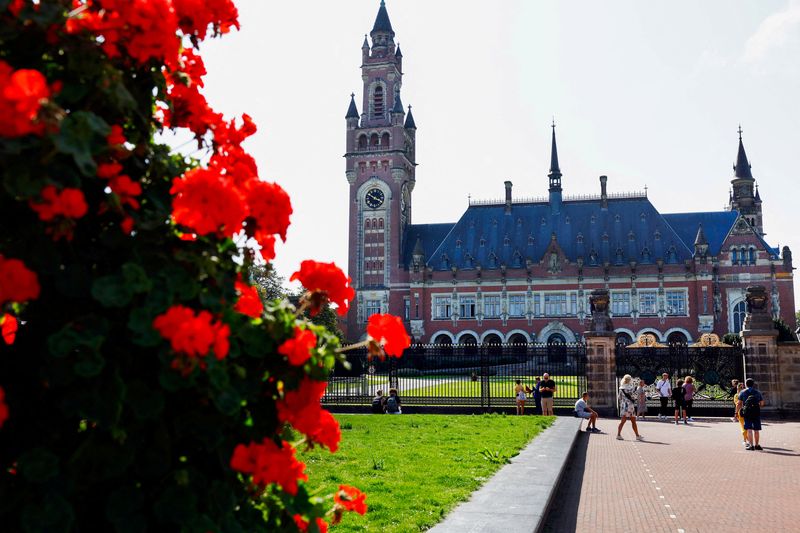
(681, 479)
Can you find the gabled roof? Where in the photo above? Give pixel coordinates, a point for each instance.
(716, 225)
(629, 230)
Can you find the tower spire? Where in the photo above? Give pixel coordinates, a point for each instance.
(382, 22)
(742, 166)
(352, 111)
(555, 171)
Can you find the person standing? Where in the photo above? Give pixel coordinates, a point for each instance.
(677, 396)
(582, 410)
(664, 394)
(537, 395)
(627, 406)
(688, 396)
(737, 415)
(750, 403)
(734, 392)
(519, 393)
(547, 390)
(641, 400)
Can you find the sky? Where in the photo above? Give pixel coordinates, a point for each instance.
(648, 93)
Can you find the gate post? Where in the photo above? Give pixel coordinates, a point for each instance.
(759, 338)
(601, 362)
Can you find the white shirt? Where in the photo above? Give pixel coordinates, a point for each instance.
(664, 388)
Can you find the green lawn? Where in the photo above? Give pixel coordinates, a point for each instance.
(566, 386)
(415, 468)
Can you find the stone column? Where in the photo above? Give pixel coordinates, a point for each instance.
(761, 361)
(601, 365)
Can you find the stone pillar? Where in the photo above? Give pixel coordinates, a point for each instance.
(601, 365)
(789, 375)
(761, 361)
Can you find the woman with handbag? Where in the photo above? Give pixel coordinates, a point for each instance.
(627, 406)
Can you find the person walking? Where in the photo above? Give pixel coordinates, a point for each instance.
(519, 392)
(678, 395)
(737, 415)
(641, 400)
(750, 403)
(547, 389)
(627, 406)
(664, 394)
(688, 396)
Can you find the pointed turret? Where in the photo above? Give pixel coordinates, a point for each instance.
(700, 242)
(352, 111)
(742, 166)
(365, 44)
(555, 177)
(398, 53)
(758, 195)
(398, 104)
(418, 255)
(410, 125)
(382, 23)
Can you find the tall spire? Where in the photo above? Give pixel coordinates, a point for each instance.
(382, 23)
(352, 111)
(555, 171)
(742, 167)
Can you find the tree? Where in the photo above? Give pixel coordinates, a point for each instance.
(144, 383)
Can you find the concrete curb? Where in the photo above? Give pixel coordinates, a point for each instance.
(517, 497)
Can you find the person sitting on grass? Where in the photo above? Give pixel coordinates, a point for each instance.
(582, 410)
(392, 406)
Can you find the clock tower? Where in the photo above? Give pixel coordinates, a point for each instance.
(379, 167)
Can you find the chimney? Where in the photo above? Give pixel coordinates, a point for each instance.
(508, 196)
(603, 193)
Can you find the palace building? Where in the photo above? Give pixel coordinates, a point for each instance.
(521, 269)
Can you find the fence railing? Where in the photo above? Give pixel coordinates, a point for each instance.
(460, 375)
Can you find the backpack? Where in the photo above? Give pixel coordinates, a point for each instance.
(391, 405)
(377, 405)
(678, 394)
(750, 409)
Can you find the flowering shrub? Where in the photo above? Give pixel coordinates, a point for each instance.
(144, 382)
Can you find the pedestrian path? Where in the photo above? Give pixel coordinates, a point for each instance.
(695, 478)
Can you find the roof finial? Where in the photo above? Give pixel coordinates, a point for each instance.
(740, 132)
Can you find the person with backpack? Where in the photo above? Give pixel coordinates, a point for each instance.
(378, 403)
(664, 393)
(750, 403)
(393, 405)
(678, 395)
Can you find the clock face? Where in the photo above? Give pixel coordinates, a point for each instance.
(374, 198)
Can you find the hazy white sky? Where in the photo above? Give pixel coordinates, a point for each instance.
(648, 93)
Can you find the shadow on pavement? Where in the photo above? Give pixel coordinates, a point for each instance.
(781, 451)
(562, 514)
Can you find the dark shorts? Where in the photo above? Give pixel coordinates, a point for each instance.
(679, 404)
(754, 424)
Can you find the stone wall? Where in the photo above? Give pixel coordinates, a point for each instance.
(789, 376)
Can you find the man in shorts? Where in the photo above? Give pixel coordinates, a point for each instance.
(664, 394)
(582, 410)
(547, 389)
(751, 412)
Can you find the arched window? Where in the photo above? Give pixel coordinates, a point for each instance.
(739, 311)
(469, 344)
(377, 101)
(385, 140)
(556, 338)
(374, 222)
(752, 252)
(380, 223)
(676, 337)
(493, 344)
(374, 140)
(362, 141)
(366, 224)
(734, 257)
(623, 339)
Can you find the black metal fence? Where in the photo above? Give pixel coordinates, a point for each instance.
(712, 368)
(478, 377)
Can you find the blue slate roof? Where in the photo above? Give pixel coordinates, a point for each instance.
(716, 226)
(430, 235)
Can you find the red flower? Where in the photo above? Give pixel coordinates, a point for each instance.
(302, 524)
(3, 407)
(17, 282)
(267, 464)
(22, 93)
(205, 203)
(108, 170)
(326, 282)
(389, 331)
(298, 349)
(69, 203)
(193, 335)
(267, 243)
(270, 207)
(127, 190)
(195, 16)
(301, 408)
(116, 137)
(249, 301)
(351, 499)
(9, 330)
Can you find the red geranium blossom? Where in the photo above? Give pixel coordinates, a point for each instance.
(351, 499)
(249, 302)
(325, 281)
(389, 331)
(22, 93)
(267, 463)
(301, 408)
(193, 335)
(205, 203)
(195, 16)
(298, 349)
(69, 203)
(17, 282)
(303, 524)
(109, 170)
(127, 190)
(9, 328)
(116, 137)
(270, 206)
(3, 407)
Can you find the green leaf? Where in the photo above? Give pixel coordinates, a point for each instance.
(89, 333)
(78, 133)
(112, 291)
(140, 322)
(136, 278)
(229, 402)
(89, 364)
(38, 465)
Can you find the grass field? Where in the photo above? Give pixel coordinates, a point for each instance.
(498, 388)
(415, 468)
